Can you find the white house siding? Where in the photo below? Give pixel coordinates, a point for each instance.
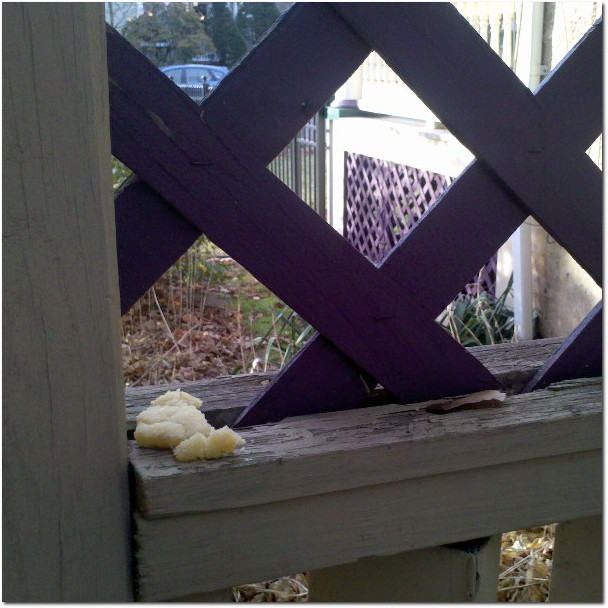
(562, 291)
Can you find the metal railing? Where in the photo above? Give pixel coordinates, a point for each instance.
(301, 164)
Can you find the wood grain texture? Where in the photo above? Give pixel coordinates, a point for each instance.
(66, 535)
(280, 105)
(344, 450)
(580, 356)
(329, 529)
(466, 213)
(255, 218)
(225, 398)
(482, 102)
(514, 363)
(389, 481)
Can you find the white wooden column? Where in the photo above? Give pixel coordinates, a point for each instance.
(438, 574)
(577, 570)
(65, 490)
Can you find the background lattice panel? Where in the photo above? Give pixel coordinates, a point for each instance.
(384, 200)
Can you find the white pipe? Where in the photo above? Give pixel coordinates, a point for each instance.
(349, 94)
(522, 282)
(528, 69)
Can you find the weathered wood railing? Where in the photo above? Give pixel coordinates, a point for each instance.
(320, 492)
(226, 398)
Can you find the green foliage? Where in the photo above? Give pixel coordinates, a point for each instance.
(119, 173)
(254, 19)
(480, 319)
(287, 335)
(168, 33)
(228, 40)
(118, 14)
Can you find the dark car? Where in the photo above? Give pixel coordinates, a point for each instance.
(195, 79)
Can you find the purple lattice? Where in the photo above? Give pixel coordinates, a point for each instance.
(384, 200)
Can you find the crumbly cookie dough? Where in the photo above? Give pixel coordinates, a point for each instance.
(174, 421)
(218, 443)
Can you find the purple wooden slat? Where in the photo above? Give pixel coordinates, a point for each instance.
(383, 202)
(282, 83)
(457, 235)
(482, 102)
(452, 69)
(308, 389)
(144, 248)
(261, 223)
(582, 104)
(580, 356)
(448, 244)
(264, 112)
(462, 227)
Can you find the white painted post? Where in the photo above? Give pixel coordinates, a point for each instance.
(577, 569)
(522, 281)
(65, 487)
(438, 574)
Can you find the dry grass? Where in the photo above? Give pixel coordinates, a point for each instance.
(287, 589)
(525, 565)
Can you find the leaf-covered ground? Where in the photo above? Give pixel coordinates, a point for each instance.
(199, 321)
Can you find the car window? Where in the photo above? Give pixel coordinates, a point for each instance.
(195, 75)
(217, 74)
(175, 74)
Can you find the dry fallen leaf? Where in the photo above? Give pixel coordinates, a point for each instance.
(480, 399)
